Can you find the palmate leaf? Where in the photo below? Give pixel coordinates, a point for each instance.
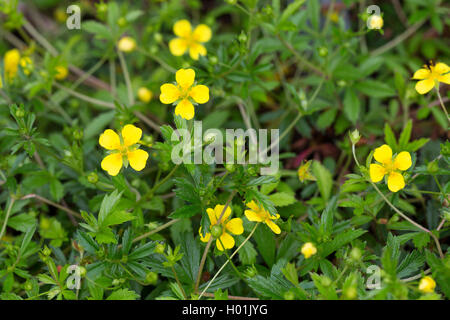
(340, 240)
(123, 294)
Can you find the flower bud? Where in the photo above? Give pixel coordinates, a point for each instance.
(427, 284)
(93, 177)
(289, 295)
(158, 37)
(323, 51)
(432, 167)
(126, 44)
(144, 95)
(160, 247)
(151, 278)
(216, 231)
(354, 136)
(77, 134)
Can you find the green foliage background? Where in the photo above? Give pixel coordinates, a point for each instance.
(312, 70)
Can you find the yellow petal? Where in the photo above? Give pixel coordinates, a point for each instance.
(178, 46)
(182, 28)
(272, 225)
(252, 205)
(226, 240)
(218, 211)
(185, 78)
(445, 78)
(421, 74)
(253, 216)
(185, 109)
(126, 44)
(61, 72)
(377, 172)
(424, 86)
(395, 181)
(206, 237)
(383, 154)
(137, 159)
(441, 68)
(235, 226)
(109, 140)
(169, 93)
(212, 216)
(11, 63)
(196, 50)
(202, 33)
(402, 161)
(112, 164)
(200, 93)
(131, 135)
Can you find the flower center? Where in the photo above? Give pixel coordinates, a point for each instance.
(389, 166)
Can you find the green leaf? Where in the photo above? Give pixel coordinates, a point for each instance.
(405, 136)
(351, 105)
(123, 294)
(375, 89)
(389, 137)
(96, 126)
(100, 30)
(282, 199)
(324, 179)
(21, 222)
(108, 203)
(117, 217)
(340, 240)
(186, 211)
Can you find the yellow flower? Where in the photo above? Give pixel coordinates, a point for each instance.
(188, 39)
(11, 63)
(303, 172)
(184, 90)
(126, 44)
(61, 72)
(226, 226)
(259, 214)
(427, 284)
(145, 95)
(308, 250)
(123, 148)
(390, 166)
(430, 75)
(376, 22)
(27, 65)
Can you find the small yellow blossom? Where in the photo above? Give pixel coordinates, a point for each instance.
(430, 75)
(61, 72)
(1, 82)
(427, 284)
(390, 166)
(145, 95)
(259, 214)
(184, 90)
(126, 44)
(27, 65)
(376, 22)
(233, 226)
(124, 148)
(188, 39)
(308, 250)
(303, 172)
(11, 63)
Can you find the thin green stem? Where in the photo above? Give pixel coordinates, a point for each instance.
(208, 245)
(179, 283)
(404, 216)
(224, 265)
(127, 78)
(8, 212)
(164, 226)
(442, 103)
